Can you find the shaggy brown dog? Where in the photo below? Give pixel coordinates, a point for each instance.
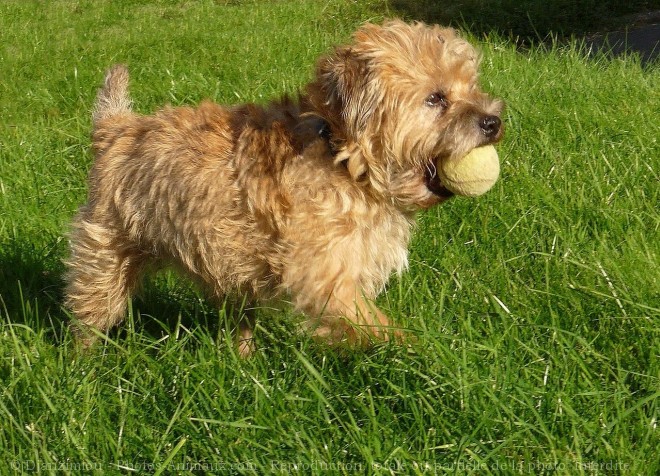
(312, 198)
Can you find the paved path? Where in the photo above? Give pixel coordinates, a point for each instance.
(643, 37)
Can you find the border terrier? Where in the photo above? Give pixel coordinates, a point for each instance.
(310, 198)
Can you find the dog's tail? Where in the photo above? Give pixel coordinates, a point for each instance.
(112, 99)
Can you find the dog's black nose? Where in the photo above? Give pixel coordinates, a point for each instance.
(490, 125)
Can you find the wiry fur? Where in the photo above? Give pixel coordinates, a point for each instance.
(253, 200)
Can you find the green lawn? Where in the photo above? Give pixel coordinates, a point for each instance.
(537, 306)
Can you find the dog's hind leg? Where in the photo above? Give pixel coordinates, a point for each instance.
(102, 272)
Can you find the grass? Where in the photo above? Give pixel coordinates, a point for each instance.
(537, 306)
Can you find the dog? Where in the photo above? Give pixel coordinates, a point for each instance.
(311, 198)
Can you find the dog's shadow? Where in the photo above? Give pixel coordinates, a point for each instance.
(31, 287)
(168, 303)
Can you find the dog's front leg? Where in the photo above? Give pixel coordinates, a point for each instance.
(346, 316)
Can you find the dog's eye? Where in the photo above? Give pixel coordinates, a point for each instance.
(437, 99)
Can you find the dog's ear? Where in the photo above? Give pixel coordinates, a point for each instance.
(341, 92)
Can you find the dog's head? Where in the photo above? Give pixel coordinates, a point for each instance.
(401, 99)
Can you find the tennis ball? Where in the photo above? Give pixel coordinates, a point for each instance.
(472, 175)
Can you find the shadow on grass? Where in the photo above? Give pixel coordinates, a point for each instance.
(167, 303)
(31, 287)
(32, 291)
(526, 20)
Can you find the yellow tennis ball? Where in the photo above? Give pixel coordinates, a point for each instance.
(472, 175)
